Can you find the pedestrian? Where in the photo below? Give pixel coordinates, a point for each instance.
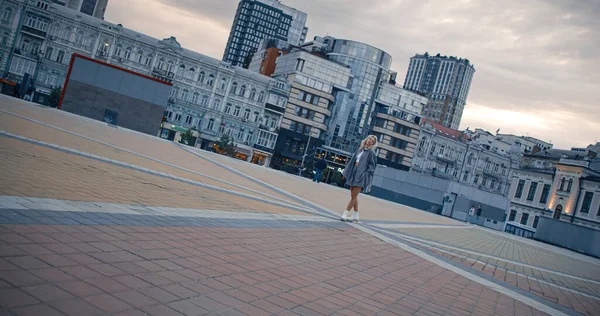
(471, 214)
(359, 174)
(319, 166)
(478, 211)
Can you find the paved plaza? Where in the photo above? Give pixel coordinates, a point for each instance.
(98, 220)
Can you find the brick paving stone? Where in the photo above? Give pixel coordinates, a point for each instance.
(135, 298)
(107, 303)
(47, 292)
(76, 307)
(44, 310)
(186, 307)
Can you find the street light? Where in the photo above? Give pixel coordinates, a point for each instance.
(304, 156)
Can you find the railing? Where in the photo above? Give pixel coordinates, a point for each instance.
(33, 31)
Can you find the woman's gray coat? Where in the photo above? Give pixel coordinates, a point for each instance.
(361, 175)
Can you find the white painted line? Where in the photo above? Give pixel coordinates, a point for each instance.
(437, 244)
(498, 288)
(398, 226)
(96, 207)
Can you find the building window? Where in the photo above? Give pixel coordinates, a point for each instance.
(210, 80)
(261, 96)
(300, 65)
(228, 108)
(524, 218)
(188, 119)
(184, 95)
(217, 104)
(252, 94)
(204, 101)
(223, 84)
(180, 70)
(545, 193)
(532, 190)
(513, 215)
(466, 176)
(148, 60)
(394, 157)
(243, 91)
(422, 143)
(247, 114)
(401, 129)
(240, 135)
(234, 87)
(201, 77)
(470, 159)
(570, 185)
(587, 202)
(118, 50)
(211, 124)
(21, 66)
(195, 97)
(562, 184)
(177, 117)
(236, 111)
(519, 192)
(7, 15)
(399, 143)
(536, 221)
(140, 58)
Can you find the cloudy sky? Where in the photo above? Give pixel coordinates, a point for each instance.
(537, 61)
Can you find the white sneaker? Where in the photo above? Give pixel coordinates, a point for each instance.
(355, 218)
(344, 217)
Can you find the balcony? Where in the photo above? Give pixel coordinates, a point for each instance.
(446, 158)
(270, 129)
(163, 74)
(491, 173)
(32, 31)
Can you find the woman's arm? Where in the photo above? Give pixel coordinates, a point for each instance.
(372, 163)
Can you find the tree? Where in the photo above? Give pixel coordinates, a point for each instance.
(55, 97)
(226, 145)
(188, 138)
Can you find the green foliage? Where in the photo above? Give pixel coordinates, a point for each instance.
(226, 145)
(188, 138)
(55, 97)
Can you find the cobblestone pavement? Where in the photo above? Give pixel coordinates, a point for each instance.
(98, 220)
(545, 272)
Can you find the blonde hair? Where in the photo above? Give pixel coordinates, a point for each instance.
(363, 144)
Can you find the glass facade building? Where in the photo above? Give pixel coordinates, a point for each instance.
(369, 67)
(258, 19)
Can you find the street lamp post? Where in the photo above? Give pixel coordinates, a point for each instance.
(304, 156)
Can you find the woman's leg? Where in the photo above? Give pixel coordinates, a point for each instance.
(349, 207)
(355, 193)
(351, 203)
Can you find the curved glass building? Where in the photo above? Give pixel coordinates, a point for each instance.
(370, 67)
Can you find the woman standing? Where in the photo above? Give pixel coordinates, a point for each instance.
(359, 174)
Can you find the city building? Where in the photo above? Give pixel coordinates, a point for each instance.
(560, 184)
(256, 20)
(95, 8)
(527, 144)
(315, 82)
(445, 81)
(369, 68)
(208, 95)
(396, 123)
(451, 154)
